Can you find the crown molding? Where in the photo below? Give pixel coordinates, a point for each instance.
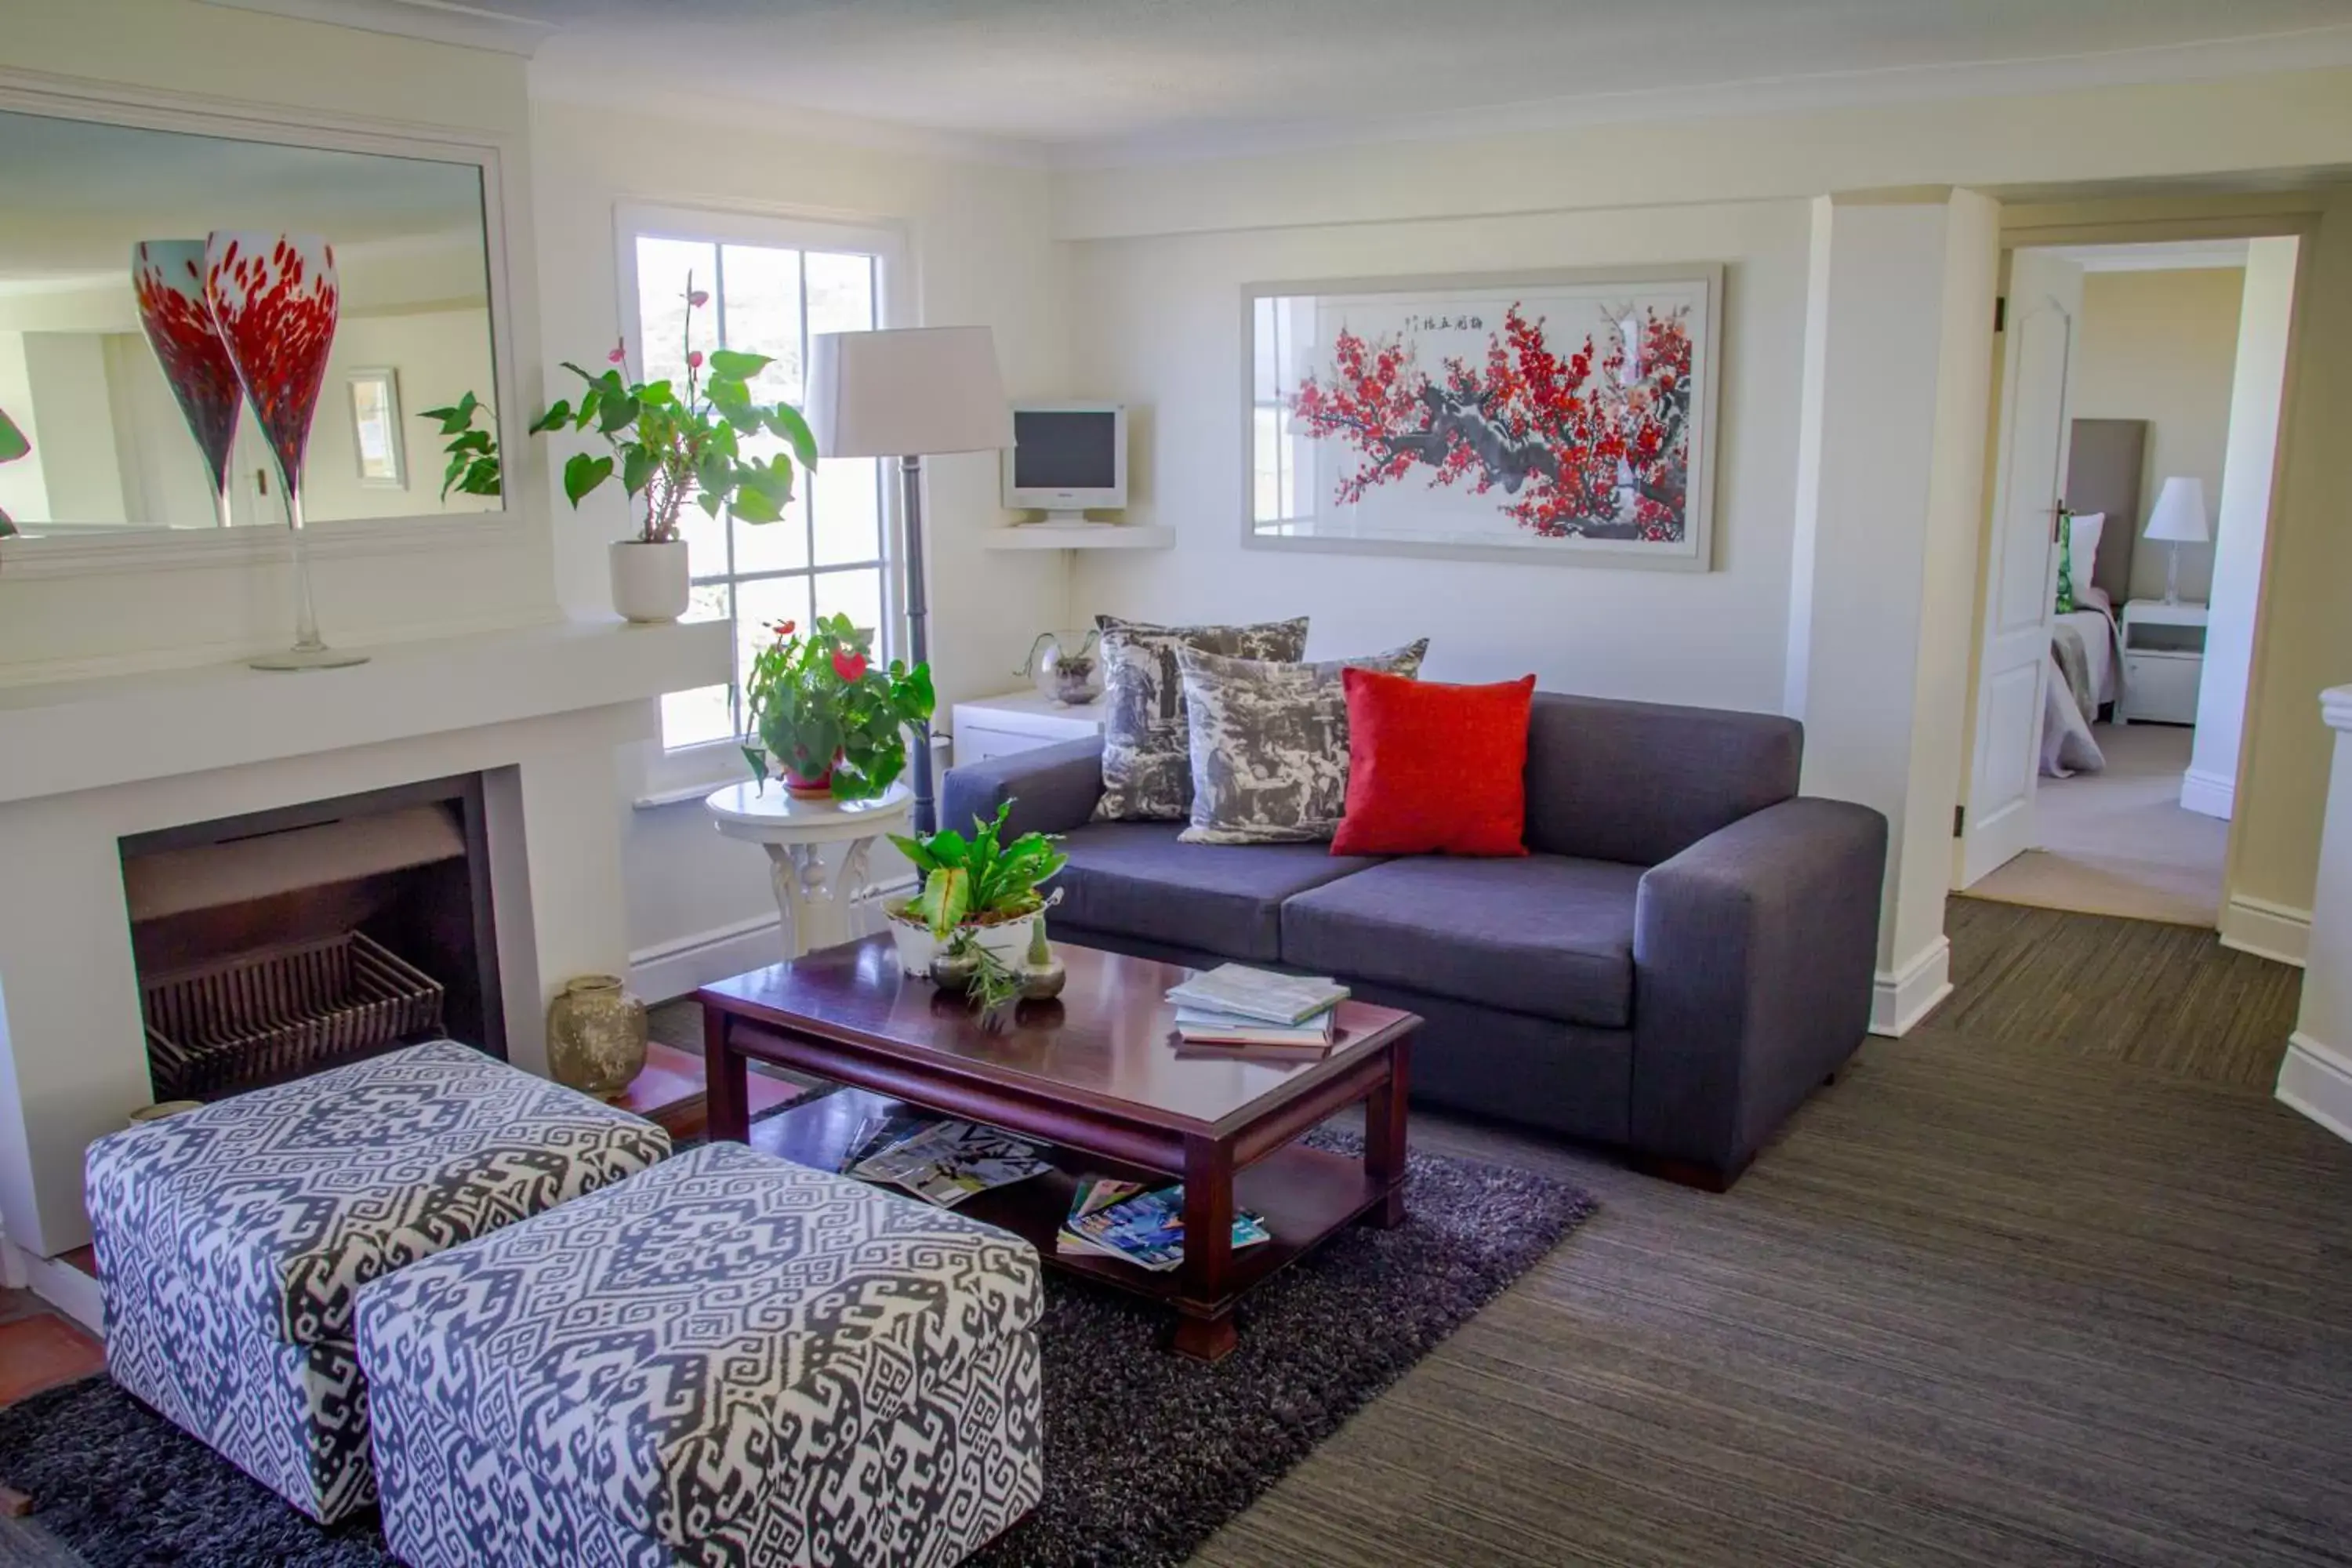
(433, 21)
(2166, 255)
(2309, 48)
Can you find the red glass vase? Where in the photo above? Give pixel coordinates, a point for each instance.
(167, 277)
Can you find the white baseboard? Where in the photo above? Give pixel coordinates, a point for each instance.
(2208, 794)
(2316, 1079)
(676, 968)
(2275, 932)
(61, 1285)
(1903, 996)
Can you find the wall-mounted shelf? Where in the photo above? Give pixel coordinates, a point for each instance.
(1091, 536)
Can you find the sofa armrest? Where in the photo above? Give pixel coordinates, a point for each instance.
(1052, 788)
(1754, 953)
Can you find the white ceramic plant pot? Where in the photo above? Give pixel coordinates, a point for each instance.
(650, 582)
(916, 946)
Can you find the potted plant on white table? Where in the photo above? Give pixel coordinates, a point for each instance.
(670, 445)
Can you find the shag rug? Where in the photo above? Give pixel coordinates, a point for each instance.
(1147, 1453)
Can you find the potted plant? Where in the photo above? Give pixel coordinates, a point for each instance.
(669, 447)
(833, 721)
(473, 454)
(978, 889)
(13, 445)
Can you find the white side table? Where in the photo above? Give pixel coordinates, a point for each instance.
(1020, 721)
(2164, 661)
(814, 907)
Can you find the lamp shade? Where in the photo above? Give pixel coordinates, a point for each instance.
(906, 391)
(2179, 514)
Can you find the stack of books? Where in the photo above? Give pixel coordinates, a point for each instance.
(1121, 1220)
(1235, 1009)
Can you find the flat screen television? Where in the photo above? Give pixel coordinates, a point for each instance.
(1065, 458)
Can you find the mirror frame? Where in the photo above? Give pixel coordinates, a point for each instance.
(506, 220)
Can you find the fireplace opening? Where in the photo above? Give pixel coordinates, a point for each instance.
(281, 943)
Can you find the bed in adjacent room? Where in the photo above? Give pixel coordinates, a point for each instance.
(2103, 475)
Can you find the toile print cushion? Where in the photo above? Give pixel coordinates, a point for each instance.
(1269, 745)
(1147, 760)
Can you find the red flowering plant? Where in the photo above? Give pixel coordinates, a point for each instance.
(833, 720)
(1592, 443)
(670, 447)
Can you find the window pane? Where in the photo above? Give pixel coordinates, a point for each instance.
(705, 541)
(840, 293)
(763, 316)
(857, 594)
(849, 511)
(695, 718)
(777, 546)
(662, 267)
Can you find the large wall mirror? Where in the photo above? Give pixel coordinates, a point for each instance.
(111, 448)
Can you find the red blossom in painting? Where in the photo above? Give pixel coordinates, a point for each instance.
(1594, 443)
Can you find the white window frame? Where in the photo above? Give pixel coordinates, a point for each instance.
(690, 772)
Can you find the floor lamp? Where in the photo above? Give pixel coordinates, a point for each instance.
(908, 394)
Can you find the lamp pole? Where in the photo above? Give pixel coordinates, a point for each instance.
(919, 642)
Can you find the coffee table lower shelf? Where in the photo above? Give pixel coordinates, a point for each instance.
(1303, 1194)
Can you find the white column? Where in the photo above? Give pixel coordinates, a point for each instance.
(2242, 523)
(2316, 1075)
(1897, 381)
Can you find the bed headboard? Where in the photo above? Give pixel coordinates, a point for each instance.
(2103, 471)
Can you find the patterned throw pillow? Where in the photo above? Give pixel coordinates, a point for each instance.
(1270, 744)
(1146, 750)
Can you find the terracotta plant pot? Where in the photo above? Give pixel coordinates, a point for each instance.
(801, 788)
(651, 582)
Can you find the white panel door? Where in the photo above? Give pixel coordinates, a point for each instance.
(2045, 304)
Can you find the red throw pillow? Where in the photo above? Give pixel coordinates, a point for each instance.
(1434, 768)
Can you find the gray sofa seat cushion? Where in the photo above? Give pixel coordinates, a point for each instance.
(1135, 879)
(1548, 935)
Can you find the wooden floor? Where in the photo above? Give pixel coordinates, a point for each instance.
(2050, 1280)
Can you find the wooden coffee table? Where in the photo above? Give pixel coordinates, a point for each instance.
(1098, 1075)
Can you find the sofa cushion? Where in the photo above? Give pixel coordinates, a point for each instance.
(1136, 879)
(1434, 768)
(1147, 760)
(1642, 782)
(1547, 935)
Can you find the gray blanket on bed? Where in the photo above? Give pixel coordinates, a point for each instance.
(2066, 646)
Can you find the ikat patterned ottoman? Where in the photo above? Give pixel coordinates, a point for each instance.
(729, 1359)
(232, 1240)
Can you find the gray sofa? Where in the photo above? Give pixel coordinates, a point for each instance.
(1686, 952)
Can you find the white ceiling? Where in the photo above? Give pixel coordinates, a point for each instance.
(1108, 79)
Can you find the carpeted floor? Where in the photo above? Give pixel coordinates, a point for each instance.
(2050, 1280)
(2117, 842)
(1146, 1453)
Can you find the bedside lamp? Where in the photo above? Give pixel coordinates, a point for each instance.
(906, 393)
(2179, 519)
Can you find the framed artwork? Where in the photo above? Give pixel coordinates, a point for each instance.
(375, 429)
(1544, 416)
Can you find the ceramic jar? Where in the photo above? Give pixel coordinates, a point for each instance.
(596, 1036)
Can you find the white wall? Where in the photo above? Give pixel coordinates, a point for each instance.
(74, 412)
(2159, 346)
(979, 253)
(2241, 524)
(1159, 324)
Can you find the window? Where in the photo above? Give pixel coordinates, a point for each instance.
(1278, 479)
(772, 284)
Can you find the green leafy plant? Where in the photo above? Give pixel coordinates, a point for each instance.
(667, 446)
(819, 705)
(979, 881)
(13, 445)
(473, 454)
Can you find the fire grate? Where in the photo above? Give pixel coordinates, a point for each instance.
(282, 1011)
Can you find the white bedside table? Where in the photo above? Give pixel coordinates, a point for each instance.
(1019, 721)
(2164, 657)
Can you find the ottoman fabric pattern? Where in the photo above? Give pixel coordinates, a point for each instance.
(729, 1359)
(232, 1240)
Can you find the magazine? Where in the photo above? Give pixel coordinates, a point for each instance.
(878, 1132)
(1258, 993)
(945, 1162)
(1117, 1219)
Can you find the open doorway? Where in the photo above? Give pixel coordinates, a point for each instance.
(2134, 453)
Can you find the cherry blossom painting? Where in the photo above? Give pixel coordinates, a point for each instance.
(1562, 417)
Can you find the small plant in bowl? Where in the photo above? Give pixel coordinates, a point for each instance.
(978, 885)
